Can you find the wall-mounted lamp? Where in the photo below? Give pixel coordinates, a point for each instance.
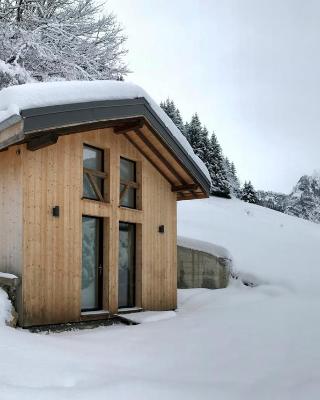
(56, 211)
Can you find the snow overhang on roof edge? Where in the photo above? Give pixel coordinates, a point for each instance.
(50, 118)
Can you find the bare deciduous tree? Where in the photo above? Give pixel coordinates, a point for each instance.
(43, 40)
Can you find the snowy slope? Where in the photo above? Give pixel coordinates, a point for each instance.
(237, 343)
(269, 246)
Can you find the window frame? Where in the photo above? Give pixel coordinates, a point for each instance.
(129, 185)
(92, 173)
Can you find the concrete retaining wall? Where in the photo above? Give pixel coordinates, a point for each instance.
(197, 269)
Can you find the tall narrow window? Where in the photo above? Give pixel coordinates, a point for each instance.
(128, 184)
(92, 248)
(93, 173)
(127, 269)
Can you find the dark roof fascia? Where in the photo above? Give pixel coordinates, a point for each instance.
(54, 117)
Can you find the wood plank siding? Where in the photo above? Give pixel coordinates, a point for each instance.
(11, 211)
(48, 249)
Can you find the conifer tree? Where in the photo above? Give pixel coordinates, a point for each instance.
(248, 193)
(186, 130)
(222, 172)
(210, 152)
(217, 169)
(234, 184)
(174, 113)
(198, 138)
(193, 131)
(235, 180)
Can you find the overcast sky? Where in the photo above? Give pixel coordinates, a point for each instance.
(250, 68)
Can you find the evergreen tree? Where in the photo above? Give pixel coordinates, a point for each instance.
(235, 180)
(186, 130)
(248, 193)
(223, 173)
(43, 40)
(198, 138)
(174, 113)
(210, 152)
(234, 184)
(193, 132)
(217, 169)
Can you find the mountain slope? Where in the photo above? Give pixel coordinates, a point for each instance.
(302, 202)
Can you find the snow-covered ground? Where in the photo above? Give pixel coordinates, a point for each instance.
(257, 343)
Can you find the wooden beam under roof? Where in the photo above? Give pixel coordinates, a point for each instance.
(159, 155)
(129, 126)
(148, 158)
(192, 191)
(183, 188)
(42, 141)
(64, 119)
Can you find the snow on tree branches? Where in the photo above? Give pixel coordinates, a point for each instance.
(218, 173)
(232, 178)
(43, 40)
(248, 193)
(173, 112)
(223, 173)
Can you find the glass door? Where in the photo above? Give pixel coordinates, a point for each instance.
(92, 247)
(127, 265)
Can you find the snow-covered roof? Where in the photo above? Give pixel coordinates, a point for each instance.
(15, 99)
(206, 247)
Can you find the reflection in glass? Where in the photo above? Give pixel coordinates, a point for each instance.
(128, 174)
(92, 159)
(90, 263)
(126, 265)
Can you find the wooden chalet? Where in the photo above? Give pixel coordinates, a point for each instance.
(88, 193)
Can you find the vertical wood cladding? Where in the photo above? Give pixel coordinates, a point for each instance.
(52, 248)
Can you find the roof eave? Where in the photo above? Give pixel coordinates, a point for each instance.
(51, 118)
(11, 131)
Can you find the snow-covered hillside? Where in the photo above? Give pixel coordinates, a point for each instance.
(267, 245)
(238, 343)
